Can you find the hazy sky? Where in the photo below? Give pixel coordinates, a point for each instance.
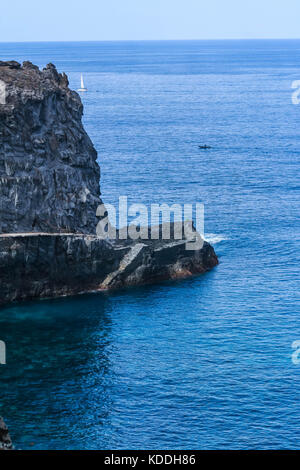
(67, 20)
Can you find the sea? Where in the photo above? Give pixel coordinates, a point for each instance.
(209, 362)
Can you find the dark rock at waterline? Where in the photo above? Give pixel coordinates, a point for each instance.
(5, 440)
(52, 265)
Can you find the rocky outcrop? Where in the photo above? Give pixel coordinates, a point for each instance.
(5, 440)
(49, 176)
(53, 265)
(49, 194)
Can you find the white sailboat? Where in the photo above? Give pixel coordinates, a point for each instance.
(82, 87)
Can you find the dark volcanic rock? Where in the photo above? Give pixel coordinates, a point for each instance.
(52, 265)
(49, 176)
(5, 440)
(49, 193)
(11, 64)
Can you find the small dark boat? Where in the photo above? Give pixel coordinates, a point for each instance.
(204, 147)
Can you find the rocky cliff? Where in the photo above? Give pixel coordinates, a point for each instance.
(49, 193)
(53, 265)
(49, 176)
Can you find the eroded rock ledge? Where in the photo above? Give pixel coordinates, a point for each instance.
(53, 265)
(49, 193)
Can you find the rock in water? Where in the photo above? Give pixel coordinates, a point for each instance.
(5, 440)
(49, 194)
(49, 175)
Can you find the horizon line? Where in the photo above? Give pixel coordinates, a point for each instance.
(151, 40)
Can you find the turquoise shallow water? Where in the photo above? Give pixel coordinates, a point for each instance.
(199, 364)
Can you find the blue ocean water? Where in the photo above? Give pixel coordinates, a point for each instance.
(200, 364)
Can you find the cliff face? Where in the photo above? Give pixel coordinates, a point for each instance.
(49, 177)
(50, 265)
(49, 193)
